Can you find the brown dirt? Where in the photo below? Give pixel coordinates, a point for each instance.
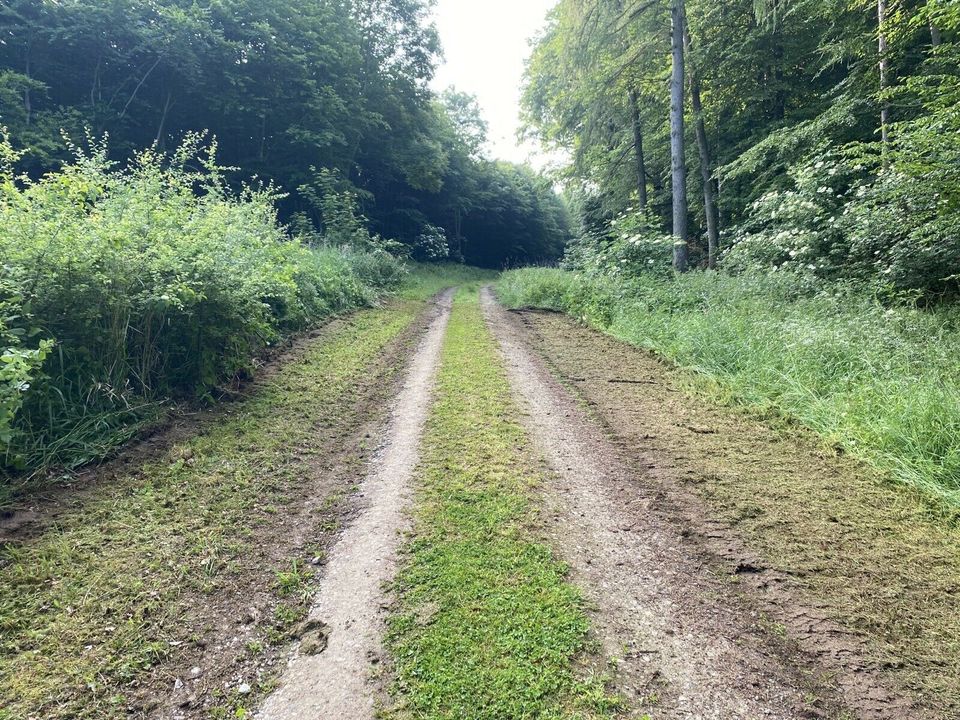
(748, 573)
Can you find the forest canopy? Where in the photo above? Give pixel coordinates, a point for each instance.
(819, 136)
(292, 91)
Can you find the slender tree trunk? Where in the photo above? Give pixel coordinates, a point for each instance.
(706, 167)
(884, 71)
(27, 100)
(158, 141)
(457, 234)
(136, 90)
(935, 38)
(638, 148)
(262, 154)
(681, 247)
(95, 84)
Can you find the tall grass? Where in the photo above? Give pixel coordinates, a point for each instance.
(150, 282)
(883, 382)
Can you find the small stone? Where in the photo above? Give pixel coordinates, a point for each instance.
(195, 672)
(244, 689)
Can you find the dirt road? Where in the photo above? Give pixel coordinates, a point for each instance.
(666, 606)
(433, 508)
(679, 601)
(330, 675)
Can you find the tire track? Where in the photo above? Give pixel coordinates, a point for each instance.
(678, 635)
(329, 676)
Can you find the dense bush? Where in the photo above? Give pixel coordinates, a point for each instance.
(431, 245)
(153, 281)
(633, 244)
(882, 381)
(895, 225)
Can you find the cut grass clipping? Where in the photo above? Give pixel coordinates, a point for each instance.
(92, 605)
(487, 627)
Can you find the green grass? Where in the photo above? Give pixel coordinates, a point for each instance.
(426, 279)
(488, 626)
(881, 382)
(91, 605)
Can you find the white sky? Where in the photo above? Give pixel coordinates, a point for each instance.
(485, 43)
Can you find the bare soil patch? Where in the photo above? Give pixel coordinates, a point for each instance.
(822, 590)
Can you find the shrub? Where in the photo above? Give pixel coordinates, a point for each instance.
(632, 245)
(153, 281)
(431, 245)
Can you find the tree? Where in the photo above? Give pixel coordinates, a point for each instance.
(287, 87)
(678, 159)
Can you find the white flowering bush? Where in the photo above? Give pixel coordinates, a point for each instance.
(798, 229)
(634, 245)
(904, 225)
(888, 216)
(431, 245)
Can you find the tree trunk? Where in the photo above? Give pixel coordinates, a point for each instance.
(262, 153)
(884, 71)
(681, 248)
(27, 100)
(638, 149)
(158, 141)
(935, 38)
(706, 168)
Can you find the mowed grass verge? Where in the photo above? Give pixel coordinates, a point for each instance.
(878, 381)
(93, 605)
(487, 625)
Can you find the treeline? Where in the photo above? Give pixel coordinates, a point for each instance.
(821, 136)
(292, 91)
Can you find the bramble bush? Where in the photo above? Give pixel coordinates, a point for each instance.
(144, 283)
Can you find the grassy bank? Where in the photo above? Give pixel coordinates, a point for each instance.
(487, 626)
(96, 605)
(881, 382)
